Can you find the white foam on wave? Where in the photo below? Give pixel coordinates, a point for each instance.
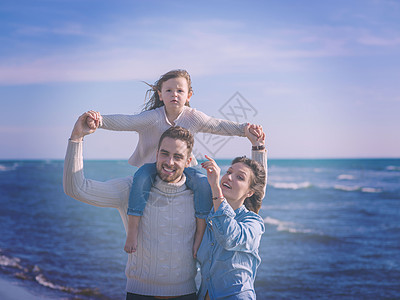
(346, 188)
(10, 262)
(393, 168)
(345, 177)
(4, 168)
(43, 281)
(285, 226)
(356, 188)
(370, 190)
(291, 185)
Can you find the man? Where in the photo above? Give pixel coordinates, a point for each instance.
(163, 265)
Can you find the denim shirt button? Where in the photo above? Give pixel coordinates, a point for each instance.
(212, 244)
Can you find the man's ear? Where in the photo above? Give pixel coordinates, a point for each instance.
(188, 161)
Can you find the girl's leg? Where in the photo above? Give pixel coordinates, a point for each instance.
(132, 235)
(141, 186)
(198, 183)
(200, 229)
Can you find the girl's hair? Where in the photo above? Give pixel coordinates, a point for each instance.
(152, 93)
(257, 183)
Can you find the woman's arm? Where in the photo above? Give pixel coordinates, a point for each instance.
(259, 151)
(236, 235)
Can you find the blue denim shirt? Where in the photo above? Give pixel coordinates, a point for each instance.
(228, 253)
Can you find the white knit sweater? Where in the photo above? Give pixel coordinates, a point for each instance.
(163, 264)
(152, 123)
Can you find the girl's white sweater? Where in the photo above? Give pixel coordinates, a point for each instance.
(152, 123)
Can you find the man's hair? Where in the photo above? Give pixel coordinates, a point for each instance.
(178, 133)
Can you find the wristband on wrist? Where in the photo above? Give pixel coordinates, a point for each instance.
(220, 197)
(255, 148)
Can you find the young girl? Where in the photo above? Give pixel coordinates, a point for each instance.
(168, 106)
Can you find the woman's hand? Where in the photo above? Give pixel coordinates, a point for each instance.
(213, 171)
(255, 134)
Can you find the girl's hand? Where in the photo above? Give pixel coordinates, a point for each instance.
(255, 134)
(213, 172)
(81, 127)
(93, 122)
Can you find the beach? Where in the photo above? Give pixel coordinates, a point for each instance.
(13, 290)
(332, 231)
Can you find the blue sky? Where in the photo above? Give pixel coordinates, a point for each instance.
(322, 76)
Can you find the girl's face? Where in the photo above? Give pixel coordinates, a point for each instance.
(175, 93)
(235, 184)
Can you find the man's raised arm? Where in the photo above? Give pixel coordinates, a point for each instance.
(113, 193)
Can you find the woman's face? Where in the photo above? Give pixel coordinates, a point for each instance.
(235, 184)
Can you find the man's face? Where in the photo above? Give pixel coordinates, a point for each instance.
(172, 159)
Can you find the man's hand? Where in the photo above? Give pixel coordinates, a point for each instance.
(81, 127)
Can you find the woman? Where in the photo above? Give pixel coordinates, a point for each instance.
(228, 254)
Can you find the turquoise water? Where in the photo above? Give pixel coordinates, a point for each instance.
(332, 231)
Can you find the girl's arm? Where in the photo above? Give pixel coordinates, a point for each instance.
(136, 122)
(207, 124)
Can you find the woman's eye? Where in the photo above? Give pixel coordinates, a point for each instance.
(240, 178)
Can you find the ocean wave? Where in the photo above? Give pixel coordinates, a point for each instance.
(291, 186)
(4, 168)
(346, 188)
(356, 188)
(345, 177)
(370, 190)
(24, 271)
(393, 168)
(13, 262)
(286, 226)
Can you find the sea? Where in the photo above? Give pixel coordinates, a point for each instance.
(332, 231)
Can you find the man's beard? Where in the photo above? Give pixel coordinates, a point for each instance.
(166, 177)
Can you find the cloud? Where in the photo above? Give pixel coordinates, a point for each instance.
(379, 41)
(127, 50)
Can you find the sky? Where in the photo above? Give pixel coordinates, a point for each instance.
(321, 77)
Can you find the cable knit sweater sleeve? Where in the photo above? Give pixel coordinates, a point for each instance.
(261, 157)
(112, 193)
(136, 122)
(207, 124)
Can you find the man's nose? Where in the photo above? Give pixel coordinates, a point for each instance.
(170, 160)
